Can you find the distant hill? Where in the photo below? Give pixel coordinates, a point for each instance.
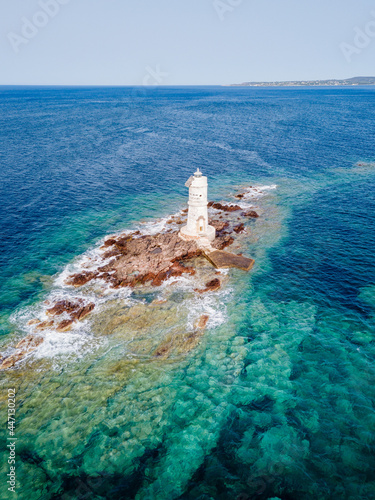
(357, 80)
(362, 80)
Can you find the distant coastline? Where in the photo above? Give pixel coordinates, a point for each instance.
(358, 80)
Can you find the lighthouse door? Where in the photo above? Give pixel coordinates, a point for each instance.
(201, 226)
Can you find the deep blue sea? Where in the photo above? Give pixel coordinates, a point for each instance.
(278, 400)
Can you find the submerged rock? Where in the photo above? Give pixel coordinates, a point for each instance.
(211, 286)
(202, 322)
(179, 343)
(26, 346)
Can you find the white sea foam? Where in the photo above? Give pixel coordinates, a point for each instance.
(258, 191)
(64, 346)
(153, 227)
(254, 193)
(73, 344)
(213, 304)
(57, 343)
(159, 225)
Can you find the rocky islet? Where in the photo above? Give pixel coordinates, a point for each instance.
(137, 260)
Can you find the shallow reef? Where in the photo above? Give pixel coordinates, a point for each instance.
(205, 386)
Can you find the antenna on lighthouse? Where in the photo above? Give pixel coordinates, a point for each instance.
(198, 173)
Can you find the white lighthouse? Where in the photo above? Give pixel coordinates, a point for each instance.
(197, 223)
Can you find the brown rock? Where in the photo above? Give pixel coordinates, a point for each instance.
(159, 278)
(223, 242)
(239, 196)
(250, 213)
(65, 325)
(146, 278)
(105, 276)
(29, 343)
(83, 312)
(163, 350)
(189, 341)
(110, 242)
(81, 278)
(111, 253)
(240, 228)
(202, 322)
(147, 258)
(10, 361)
(33, 322)
(226, 208)
(105, 269)
(122, 244)
(220, 226)
(177, 269)
(44, 325)
(178, 344)
(118, 283)
(63, 306)
(154, 257)
(211, 286)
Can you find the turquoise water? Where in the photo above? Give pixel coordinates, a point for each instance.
(277, 400)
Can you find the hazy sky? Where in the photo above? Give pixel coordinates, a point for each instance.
(176, 42)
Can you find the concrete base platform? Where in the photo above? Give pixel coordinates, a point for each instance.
(186, 235)
(221, 259)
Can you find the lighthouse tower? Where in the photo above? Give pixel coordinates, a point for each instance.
(197, 223)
